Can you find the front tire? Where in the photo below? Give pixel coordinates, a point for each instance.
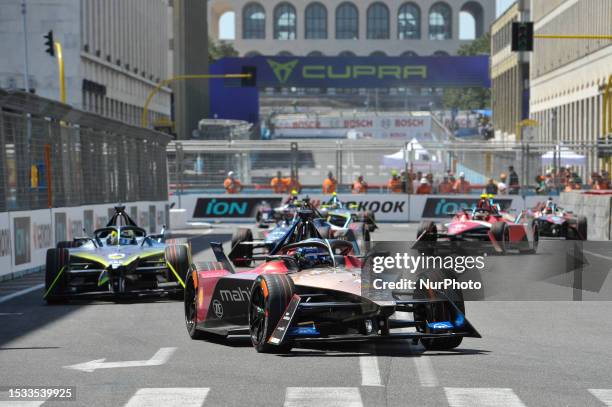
(178, 256)
(501, 234)
(270, 295)
(56, 265)
(191, 301)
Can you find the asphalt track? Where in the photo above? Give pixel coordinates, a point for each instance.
(533, 353)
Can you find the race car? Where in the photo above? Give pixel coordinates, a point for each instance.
(311, 290)
(553, 221)
(266, 215)
(118, 260)
(340, 226)
(341, 216)
(486, 222)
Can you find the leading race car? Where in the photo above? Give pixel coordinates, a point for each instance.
(486, 222)
(554, 221)
(118, 260)
(311, 290)
(346, 217)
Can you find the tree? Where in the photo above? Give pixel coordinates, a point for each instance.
(219, 50)
(470, 98)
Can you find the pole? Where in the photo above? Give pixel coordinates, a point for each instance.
(60, 64)
(26, 63)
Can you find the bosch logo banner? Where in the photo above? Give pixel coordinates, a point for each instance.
(230, 207)
(447, 207)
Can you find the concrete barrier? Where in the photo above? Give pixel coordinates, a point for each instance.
(596, 207)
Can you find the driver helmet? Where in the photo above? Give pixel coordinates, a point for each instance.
(111, 240)
(484, 202)
(309, 257)
(550, 206)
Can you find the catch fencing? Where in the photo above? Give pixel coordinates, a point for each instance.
(55, 156)
(202, 166)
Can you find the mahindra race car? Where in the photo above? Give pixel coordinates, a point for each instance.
(553, 221)
(118, 260)
(340, 226)
(484, 223)
(311, 290)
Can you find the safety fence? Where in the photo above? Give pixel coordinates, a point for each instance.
(202, 166)
(53, 155)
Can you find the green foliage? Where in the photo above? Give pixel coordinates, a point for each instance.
(470, 98)
(219, 50)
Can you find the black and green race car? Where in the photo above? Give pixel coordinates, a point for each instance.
(119, 260)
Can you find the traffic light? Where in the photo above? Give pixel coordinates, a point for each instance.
(250, 82)
(522, 36)
(49, 43)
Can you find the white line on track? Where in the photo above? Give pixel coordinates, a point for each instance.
(603, 395)
(22, 403)
(169, 397)
(20, 293)
(370, 374)
(323, 396)
(601, 256)
(425, 371)
(482, 397)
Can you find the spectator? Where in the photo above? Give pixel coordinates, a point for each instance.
(360, 186)
(513, 181)
(329, 185)
(232, 184)
(424, 187)
(395, 183)
(430, 179)
(502, 186)
(491, 187)
(462, 186)
(445, 187)
(541, 188)
(416, 181)
(278, 184)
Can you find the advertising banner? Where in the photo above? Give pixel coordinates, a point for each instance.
(364, 72)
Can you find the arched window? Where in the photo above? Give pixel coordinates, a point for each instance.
(471, 21)
(285, 22)
(253, 22)
(316, 22)
(410, 54)
(285, 54)
(378, 22)
(347, 54)
(409, 22)
(251, 54)
(378, 54)
(315, 54)
(440, 25)
(347, 22)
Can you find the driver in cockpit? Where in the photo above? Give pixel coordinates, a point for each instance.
(485, 207)
(312, 257)
(550, 207)
(112, 239)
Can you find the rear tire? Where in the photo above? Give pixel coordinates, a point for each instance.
(266, 310)
(428, 230)
(241, 255)
(501, 233)
(57, 262)
(178, 256)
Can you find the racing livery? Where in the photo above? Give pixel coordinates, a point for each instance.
(310, 290)
(484, 223)
(119, 259)
(554, 221)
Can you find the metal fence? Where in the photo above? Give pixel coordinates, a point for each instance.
(52, 155)
(196, 166)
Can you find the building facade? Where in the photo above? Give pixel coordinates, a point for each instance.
(509, 72)
(115, 53)
(568, 76)
(356, 27)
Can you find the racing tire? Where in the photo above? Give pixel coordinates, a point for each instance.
(439, 312)
(68, 244)
(270, 295)
(241, 255)
(428, 230)
(190, 301)
(178, 256)
(56, 262)
(528, 248)
(501, 234)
